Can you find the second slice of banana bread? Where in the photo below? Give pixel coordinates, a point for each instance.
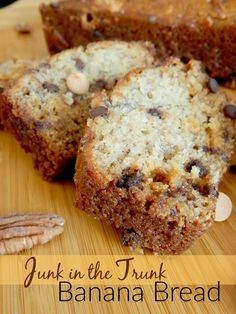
(46, 117)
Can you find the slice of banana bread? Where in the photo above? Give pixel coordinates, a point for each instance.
(202, 29)
(11, 70)
(153, 153)
(46, 117)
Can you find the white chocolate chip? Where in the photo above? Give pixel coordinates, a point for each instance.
(223, 207)
(78, 83)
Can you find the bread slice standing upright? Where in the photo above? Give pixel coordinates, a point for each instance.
(153, 154)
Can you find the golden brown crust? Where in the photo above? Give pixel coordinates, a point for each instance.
(49, 161)
(141, 223)
(206, 33)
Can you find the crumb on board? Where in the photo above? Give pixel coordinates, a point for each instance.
(23, 28)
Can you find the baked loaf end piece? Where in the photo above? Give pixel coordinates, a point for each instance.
(46, 117)
(11, 70)
(206, 32)
(151, 163)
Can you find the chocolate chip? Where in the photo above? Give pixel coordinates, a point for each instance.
(206, 190)
(224, 157)
(50, 87)
(98, 35)
(148, 204)
(101, 84)
(215, 151)
(1, 90)
(38, 125)
(127, 179)
(209, 149)
(172, 225)
(213, 85)
(25, 91)
(232, 169)
(42, 125)
(79, 64)
(156, 112)
(213, 191)
(130, 237)
(185, 59)
(98, 112)
(173, 211)
(230, 111)
(196, 163)
(98, 85)
(208, 119)
(89, 17)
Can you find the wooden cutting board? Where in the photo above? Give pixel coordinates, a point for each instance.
(23, 190)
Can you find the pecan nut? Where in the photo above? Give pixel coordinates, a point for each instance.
(23, 231)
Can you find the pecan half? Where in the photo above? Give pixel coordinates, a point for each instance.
(23, 231)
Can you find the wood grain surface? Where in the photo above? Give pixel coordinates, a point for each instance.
(23, 190)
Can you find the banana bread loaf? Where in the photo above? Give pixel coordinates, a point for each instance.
(203, 29)
(47, 117)
(153, 153)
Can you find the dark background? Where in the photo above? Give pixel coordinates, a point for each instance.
(4, 3)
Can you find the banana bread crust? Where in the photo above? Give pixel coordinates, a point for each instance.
(139, 225)
(206, 33)
(48, 159)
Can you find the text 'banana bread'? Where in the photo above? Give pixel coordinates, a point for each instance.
(153, 154)
(47, 117)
